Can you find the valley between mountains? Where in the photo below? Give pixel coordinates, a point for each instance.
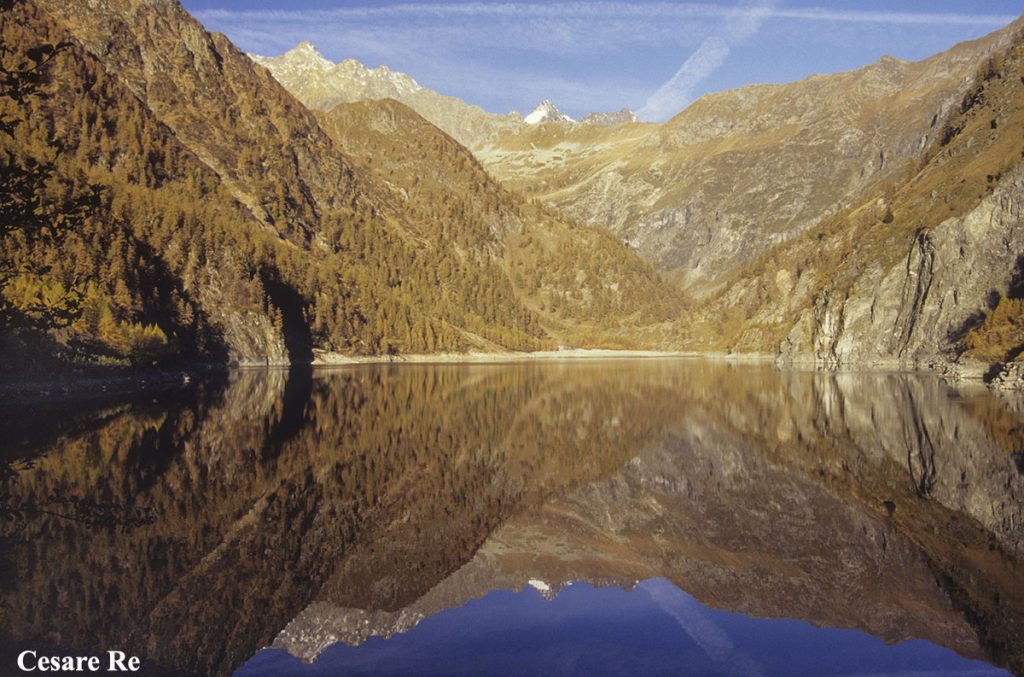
(170, 199)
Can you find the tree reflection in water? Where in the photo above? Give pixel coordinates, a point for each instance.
(194, 529)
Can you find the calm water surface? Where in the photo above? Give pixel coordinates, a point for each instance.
(621, 517)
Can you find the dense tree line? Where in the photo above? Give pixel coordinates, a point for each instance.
(140, 252)
(574, 276)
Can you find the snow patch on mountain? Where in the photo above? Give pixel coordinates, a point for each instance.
(546, 112)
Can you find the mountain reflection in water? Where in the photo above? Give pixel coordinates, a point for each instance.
(304, 509)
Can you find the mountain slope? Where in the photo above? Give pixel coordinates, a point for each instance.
(124, 220)
(774, 205)
(235, 229)
(907, 274)
(586, 286)
(331, 261)
(746, 169)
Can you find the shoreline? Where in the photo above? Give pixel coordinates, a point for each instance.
(98, 385)
(325, 359)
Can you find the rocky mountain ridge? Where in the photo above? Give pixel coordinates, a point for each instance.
(320, 85)
(744, 170)
(748, 176)
(692, 194)
(620, 117)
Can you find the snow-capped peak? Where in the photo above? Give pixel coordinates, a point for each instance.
(546, 112)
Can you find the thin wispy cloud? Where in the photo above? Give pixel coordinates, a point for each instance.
(561, 28)
(672, 96)
(596, 55)
(616, 9)
(741, 24)
(914, 18)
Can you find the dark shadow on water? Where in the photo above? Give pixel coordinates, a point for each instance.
(297, 389)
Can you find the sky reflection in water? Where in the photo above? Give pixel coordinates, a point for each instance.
(656, 629)
(302, 509)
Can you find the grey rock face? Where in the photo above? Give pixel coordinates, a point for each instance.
(619, 117)
(912, 313)
(739, 172)
(1010, 378)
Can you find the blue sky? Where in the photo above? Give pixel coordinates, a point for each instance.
(653, 56)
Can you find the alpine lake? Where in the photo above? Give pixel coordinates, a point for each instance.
(596, 517)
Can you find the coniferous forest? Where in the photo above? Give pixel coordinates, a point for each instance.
(124, 245)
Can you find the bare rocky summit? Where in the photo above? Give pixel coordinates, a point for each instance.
(320, 84)
(546, 112)
(620, 117)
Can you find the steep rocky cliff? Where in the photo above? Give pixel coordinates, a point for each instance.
(917, 311)
(906, 275)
